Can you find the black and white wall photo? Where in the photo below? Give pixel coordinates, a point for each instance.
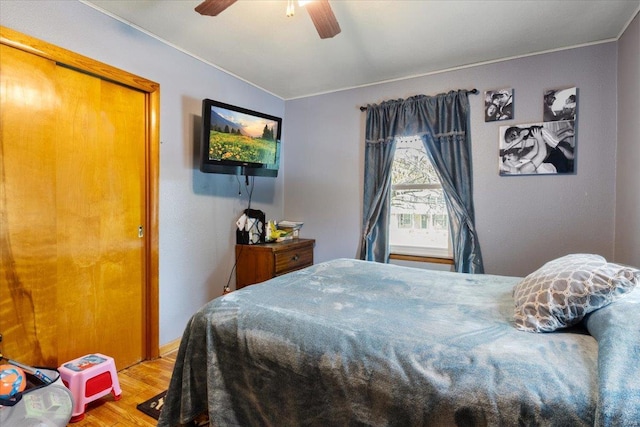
(560, 104)
(498, 105)
(538, 148)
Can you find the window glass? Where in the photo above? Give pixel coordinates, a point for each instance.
(404, 220)
(419, 222)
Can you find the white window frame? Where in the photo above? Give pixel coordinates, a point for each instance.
(422, 251)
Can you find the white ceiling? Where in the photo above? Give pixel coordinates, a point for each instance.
(381, 40)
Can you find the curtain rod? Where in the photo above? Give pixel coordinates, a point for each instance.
(473, 91)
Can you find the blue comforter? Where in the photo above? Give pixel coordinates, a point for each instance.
(356, 343)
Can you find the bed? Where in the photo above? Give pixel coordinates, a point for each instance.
(356, 343)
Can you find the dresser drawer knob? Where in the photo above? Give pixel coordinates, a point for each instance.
(295, 257)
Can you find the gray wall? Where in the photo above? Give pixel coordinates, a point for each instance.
(627, 247)
(197, 211)
(522, 221)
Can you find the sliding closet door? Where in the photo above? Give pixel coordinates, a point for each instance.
(73, 213)
(29, 271)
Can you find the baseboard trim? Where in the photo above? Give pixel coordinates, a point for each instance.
(169, 347)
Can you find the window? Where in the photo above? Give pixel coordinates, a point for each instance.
(404, 220)
(419, 222)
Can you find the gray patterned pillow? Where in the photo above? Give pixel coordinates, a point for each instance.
(563, 291)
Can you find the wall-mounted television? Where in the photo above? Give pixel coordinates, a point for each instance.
(239, 141)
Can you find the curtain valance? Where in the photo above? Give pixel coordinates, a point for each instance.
(438, 115)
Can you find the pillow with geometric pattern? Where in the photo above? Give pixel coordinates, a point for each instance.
(561, 292)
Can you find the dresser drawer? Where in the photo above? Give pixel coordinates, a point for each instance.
(293, 259)
(257, 263)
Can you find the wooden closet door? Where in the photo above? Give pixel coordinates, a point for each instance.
(73, 196)
(28, 275)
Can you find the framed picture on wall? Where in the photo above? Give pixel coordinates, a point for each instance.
(560, 104)
(498, 105)
(538, 148)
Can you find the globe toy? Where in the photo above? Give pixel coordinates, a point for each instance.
(12, 381)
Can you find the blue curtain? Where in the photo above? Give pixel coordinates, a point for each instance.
(442, 121)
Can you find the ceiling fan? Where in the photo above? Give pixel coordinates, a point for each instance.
(319, 11)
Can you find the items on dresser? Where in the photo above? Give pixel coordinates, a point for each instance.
(251, 227)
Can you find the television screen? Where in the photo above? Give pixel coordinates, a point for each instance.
(239, 141)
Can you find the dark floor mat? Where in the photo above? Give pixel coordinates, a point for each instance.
(153, 406)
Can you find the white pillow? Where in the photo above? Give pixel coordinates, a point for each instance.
(563, 291)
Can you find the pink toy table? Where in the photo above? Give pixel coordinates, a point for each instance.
(89, 378)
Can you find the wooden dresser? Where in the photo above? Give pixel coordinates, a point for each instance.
(257, 263)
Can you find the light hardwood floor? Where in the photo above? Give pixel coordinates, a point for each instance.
(138, 383)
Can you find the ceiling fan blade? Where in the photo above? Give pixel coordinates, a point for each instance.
(323, 18)
(213, 7)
